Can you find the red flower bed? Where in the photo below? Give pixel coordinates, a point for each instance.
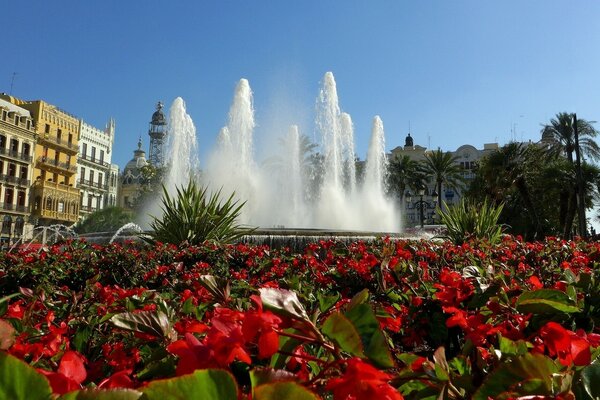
(390, 320)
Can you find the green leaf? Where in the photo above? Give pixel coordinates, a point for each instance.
(81, 338)
(545, 301)
(512, 348)
(326, 301)
(113, 394)
(260, 376)
(359, 298)
(530, 368)
(19, 381)
(339, 329)
(155, 323)
(283, 302)
(283, 390)
(206, 384)
(590, 379)
(374, 343)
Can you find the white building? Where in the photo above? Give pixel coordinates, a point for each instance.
(113, 186)
(467, 157)
(94, 166)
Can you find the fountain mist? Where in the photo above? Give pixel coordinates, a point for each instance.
(288, 190)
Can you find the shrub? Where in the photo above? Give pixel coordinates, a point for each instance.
(193, 216)
(466, 221)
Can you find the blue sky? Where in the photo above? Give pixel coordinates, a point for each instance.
(460, 71)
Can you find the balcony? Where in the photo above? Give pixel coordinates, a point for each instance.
(15, 180)
(88, 209)
(64, 144)
(57, 164)
(14, 207)
(15, 155)
(90, 184)
(55, 201)
(96, 161)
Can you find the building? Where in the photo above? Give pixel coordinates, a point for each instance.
(132, 179)
(54, 197)
(17, 143)
(113, 186)
(467, 157)
(94, 166)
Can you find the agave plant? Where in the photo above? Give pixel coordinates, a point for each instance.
(467, 220)
(194, 216)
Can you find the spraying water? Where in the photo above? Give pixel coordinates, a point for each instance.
(182, 147)
(283, 193)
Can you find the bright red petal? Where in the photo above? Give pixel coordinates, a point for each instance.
(71, 366)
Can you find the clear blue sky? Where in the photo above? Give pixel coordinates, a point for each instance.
(460, 71)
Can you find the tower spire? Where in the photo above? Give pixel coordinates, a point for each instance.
(157, 133)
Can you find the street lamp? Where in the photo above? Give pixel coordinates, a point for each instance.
(421, 205)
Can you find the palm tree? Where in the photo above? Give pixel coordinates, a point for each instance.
(401, 175)
(560, 136)
(442, 169)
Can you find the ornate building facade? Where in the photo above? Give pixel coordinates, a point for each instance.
(157, 133)
(94, 166)
(17, 143)
(54, 197)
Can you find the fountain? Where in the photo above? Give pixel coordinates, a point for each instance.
(282, 193)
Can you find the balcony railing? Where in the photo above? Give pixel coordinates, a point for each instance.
(62, 143)
(94, 160)
(91, 184)
(15, 154)
(89, 209)
(58, 164)
(14, 179)
(14, 207)
(39, 184)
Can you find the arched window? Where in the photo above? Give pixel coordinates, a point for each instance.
(48, 203)
(19, 226)
(6, 224)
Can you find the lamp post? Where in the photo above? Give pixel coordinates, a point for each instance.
(421, 205)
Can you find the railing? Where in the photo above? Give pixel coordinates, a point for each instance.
(14, 207)
(38, 184)
(97, 185)
(14, 179)
(63, 143)
(15, 154)
(58, 164)
(88, 209)
(63, 216)
(93, 160)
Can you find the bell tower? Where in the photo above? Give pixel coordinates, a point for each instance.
(157, 133)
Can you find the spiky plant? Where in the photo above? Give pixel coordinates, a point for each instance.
(193, 216)
(467, 220)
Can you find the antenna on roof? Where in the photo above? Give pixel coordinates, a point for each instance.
(12, 82)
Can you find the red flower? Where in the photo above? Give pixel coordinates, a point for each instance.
(361, 381)
(71, 373)
(262, 324)
(567, 345)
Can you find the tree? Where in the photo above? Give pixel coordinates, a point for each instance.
(442, 169)
(108, 219)
(404, 173)
(559, 136)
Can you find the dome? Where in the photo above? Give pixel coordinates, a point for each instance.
(133, 167)
(158, 118)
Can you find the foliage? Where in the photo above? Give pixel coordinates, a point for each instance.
(442, 169)
(193, 216)
(390, 319)
(466, 221)
(108, 219)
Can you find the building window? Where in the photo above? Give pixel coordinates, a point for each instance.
(2, 141)
(26, 148)
(24, 171)
(47, 129)
(58, 134)
(70, 138)
(100, 179)
(8, 196)
(61, 206)
(82, 174)
(91, 177)
(101, 156)
(6, 224)
(93, 153)
(12, 169)
(19, 225)
(1, 167)
(14, 146)
(21, 198)
(49, 203)
(83, 149)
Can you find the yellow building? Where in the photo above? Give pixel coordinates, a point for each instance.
(54, 197)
